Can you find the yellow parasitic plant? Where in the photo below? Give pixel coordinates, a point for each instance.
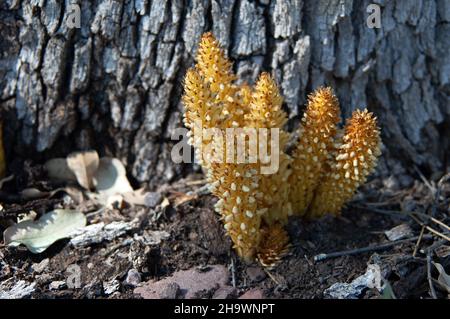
(317, 132)
(266, 113)
(323, 173)
(355, 158)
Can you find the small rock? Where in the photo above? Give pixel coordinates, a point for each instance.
(255, 274)
(111, 286)
(55, 285)
(133, 277)
(40, 267)
(190, 282)
(152, 199)
(170, 291)
(226, 292)
(254, 293)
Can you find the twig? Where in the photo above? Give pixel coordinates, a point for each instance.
(434, 231)
(412, 215)
(430, 281)
(321, 257)
(271, 276)
(418, 242)
(233, 273)
(425, 180)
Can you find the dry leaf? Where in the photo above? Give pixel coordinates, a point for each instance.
(111, 178)
(39, 235)
(58, 169)
(83, 165)
(444, 278)
(136, 197)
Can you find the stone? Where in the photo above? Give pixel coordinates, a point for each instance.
(255, 274)
(226, 292)
(170, 291)
(190, 282)
(133, 277)
(152, 199)
(254, 293)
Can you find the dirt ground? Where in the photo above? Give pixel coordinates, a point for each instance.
(114, 267)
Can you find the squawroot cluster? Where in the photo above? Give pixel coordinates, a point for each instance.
(319, 177)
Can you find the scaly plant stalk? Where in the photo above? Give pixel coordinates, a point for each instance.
(356, 158)
(317, 131)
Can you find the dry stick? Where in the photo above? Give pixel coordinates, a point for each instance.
(425, 180)
(321, 257)
(430, 279)
(430, 229)
(411, 214)
(418, 242)
(271, 276)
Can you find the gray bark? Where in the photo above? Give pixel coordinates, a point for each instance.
(115, 83)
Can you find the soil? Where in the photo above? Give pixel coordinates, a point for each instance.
(197, 239)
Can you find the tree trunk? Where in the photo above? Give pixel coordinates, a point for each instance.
(115, 83)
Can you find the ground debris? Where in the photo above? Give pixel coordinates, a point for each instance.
(19, 290)
(97, 233)
(353, 290)
(399, 232)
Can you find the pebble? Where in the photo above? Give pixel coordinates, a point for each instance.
(133, 277)
(226, 292)
(152, 199)
(254, 293)
(255, 274)
(170, 291)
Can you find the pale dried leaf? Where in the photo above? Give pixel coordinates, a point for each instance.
(84, 165)
(111, 178)
(40, 234)
(444, 278)
(136, 197)
(58, 169)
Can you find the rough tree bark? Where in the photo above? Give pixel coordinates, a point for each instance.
(115, 83)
